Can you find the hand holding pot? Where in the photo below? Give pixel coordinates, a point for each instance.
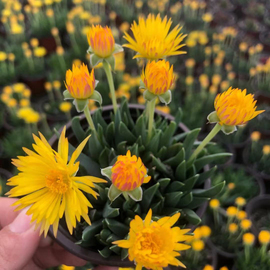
(21, 247)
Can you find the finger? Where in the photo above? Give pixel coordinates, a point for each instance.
(55, 255)
(7, 214)
(19, 242)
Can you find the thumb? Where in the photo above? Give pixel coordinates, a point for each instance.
(18, 243)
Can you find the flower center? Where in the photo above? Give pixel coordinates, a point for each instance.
(58, 182)
(151, 243)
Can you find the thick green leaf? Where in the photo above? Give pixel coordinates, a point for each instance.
(105, 252)
(172, 199)
(125, 134)
(113, 193)
(178, 116)
(159, 165)
(109, 212)
(191, 216)
(211, 192)
(148, 196)
(136, 194)
(189, 141)
(103, 157)
(90, 231)
(77, 128)
(116, 249)
(201, 162)
(205, 175)
(104, 234)
(185, 200)
(153, 146)
(175, 186)
(190, 182)
(117, 227)
(164, 182)
(176, 160)
(180, 173)
(166, 98)
(124, 253)
(121, 148)
(197, 202)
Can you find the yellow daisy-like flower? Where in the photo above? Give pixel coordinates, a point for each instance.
(158, 77)
(79, 83)
(101, 40)
(47, 183)
(234, 107)
(155, 244)
(129, 172)
(152, 39)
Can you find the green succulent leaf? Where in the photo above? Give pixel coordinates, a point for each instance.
(77, 128)
(80, 104)
(167, 135)
(172, 199)
(211, 192)
(105, 252)
(190, 183)
(197, 202)
(205, 175)
(189, 141)
(118, 228)
(228, 129)
(96, 96)
(185, 200)
(124, 253)
(109, 212)
(89, 232)
(175, 186)
(148, 196)
(164, 182)
(191, 216)
(180, 173)
(136, 194)
(212, 117)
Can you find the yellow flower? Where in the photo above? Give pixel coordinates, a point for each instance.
(233, 228)
(164, 109)
(214, 203)
(224, 268)
(12, 103)
(65, 106)
(240, 201)
(245, 224)
(3, 56)
(32, 117)
(7, 90)
(205, 231)
(231, 186)
(243, 46)
(231, 211)
(65, 267)
(55, 31)
(234, 107)
(56, 84)
(24, 102)
(158, 77)
(259, 48)
(152, 39)
(34, 42)
(208, 267)
(101, 41)
(52, 189)
(264, 237)
(154, 244)
(241, 215)
(40, 51)
(60, 50)
(189, 80)
(16, 29)
(11, 56)
(79, 82)
(18, 87)
(248, 239)
(197, 245)
(48, 86)
(266, 149)
(129, 173)
(207, 17)
(197, 233)
(190, 63)
(224, 85)
(216, 79)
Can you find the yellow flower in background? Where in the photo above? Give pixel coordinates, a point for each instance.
(190, 63)
(208, 267)
(79, 82)
(231, 186)
(40, 51)
(197, 245)
(48, 86)
(155, 244)
(18, 87)
(224, 268)
(245, 224)
(12, 103)
(60, 50)
(101, 41)
(214, 203)
(56, 84)
(240, 201)
(243, 46)
(233, 227)
(65, 106)
(52, 188)
(207, 17)
(129, 173)
(11, 56)
(7, 90)
(65, 267)
(248, 239)
(205, 231)
(241, 215)
(24, 102)
(264, 237)
(231, 211)
(165, 109)
(34, 42)
(3, 56)
(16, 29)
(233, 107)
(266, 149)
(152, 39)
(158, 77)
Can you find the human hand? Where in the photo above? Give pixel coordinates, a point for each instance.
(21, 247)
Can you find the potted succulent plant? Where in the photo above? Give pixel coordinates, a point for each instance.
(138, 172)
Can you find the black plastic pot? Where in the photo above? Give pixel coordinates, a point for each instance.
(48, 43)
(68, 241)
(259, 202)
(36, 84)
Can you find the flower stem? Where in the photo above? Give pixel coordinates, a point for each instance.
(151, 110)
(208, 138)
(108, 72)
(89, 119)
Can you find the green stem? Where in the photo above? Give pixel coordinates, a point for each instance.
(108, 72)
(151, 111)
(89, 119)
(208, 138)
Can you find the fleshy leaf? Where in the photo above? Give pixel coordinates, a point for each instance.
(148, 95)
(80, 104)
(67, 95)
(228, 129)
(136, 194)
(107, 172)
(96, 96)
(113, 193)
(212, 117)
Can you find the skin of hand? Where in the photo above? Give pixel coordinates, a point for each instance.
(21, 247)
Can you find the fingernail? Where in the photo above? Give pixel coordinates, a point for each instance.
(21, 223)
